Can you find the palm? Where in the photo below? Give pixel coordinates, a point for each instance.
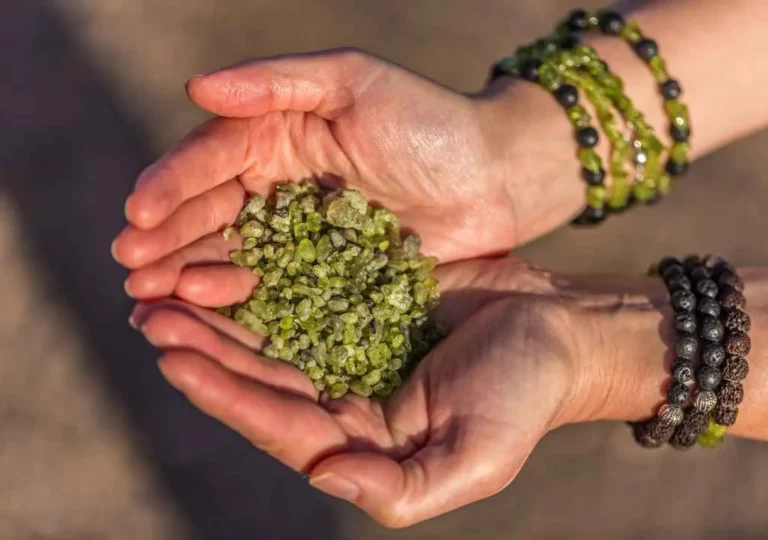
(457, 431)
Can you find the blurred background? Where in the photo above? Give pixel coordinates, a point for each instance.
(94, 445)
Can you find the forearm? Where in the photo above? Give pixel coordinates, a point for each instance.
(712, 47)
(636, 333)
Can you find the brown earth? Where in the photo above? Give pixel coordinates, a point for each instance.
(93, 444)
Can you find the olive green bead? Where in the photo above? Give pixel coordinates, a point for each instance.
(596, 196)
(643, 192)
(631, 32)
(664, 184)
(549, 77)
(589, 159)
(679, 152)
(579, 117)
(658, 68)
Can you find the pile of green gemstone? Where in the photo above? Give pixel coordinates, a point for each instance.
(342, 297)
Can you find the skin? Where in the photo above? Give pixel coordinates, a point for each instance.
(554, 349)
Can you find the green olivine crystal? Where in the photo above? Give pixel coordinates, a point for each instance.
(596, 196)
(679, 152)
(658, 68)
(631, 32)
(342, 297)
(589, 159)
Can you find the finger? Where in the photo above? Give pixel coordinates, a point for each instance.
(174, 329)
(216, 152)
(216, 286)
(323, 83)
(292, 429)
(216, 321)
(162, 278)
(196, 218)
(437, 479)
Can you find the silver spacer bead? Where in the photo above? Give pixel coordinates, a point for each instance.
(705, 400)
(670, 415)
(641, 158)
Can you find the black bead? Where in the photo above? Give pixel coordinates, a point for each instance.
(530, 70)
(671, 89)
(496, 72)
(671, 271)
(611, 22)
(679, 135)
(686, 347)
(567, 95)
(729, 278)
(707, 287)
(578, 20)
(679, 283)
(589, 216)
(593, 178)
(654, 199)
(646, 49)
(712, 354)
(683, 301)
(587, 137)
(700, 272)
(708, 306)
(668, 262)
(708, 377)
(682, 371)
(691, 262)
(712, 329)
(569, 41)
(678, 394)
(676, 169)
(685, 322)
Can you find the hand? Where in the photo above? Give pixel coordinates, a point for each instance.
(438, 159)
(458, 431)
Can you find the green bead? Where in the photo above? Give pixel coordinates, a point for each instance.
(679, 152)
(620, 191)
(664, 184)
(596, 196)
(658, 68)
(642, 192)
(579, 117)
(631, 32)
(589, 159)
(549, 77)
(338, 390)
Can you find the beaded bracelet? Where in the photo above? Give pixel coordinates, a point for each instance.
(612, 23)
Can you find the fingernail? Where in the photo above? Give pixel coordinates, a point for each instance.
(336, 486)
(132, 322)
(127, 287)
(113, 249)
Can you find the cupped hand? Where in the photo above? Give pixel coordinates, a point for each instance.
(458, 431)
(341, 117)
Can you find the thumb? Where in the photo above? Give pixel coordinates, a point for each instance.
(324, 83)
(435, 480)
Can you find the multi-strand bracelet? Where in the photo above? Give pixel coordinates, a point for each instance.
(563, 66)
(710, 349)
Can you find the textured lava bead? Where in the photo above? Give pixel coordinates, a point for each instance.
(709, 307)
(724, 416)
(712, 354)
(659, 430)
(737, 343)
(671, 415)
(668, 262)
(682, 371)
(708, 377)
(686, 347)
(712, 329)
(643, 438)
(683, 301)
(679, 283)
(691, 262)
(699, 273)
(705, 400)
(678, 394)
(685, 322)
(736, 319)
(707, 287)
(730, 278)
(730, 298)
(730, 394)
(735, 369)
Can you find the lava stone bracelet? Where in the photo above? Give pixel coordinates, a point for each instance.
(612, 23)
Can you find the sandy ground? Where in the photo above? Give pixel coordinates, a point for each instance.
(93, 445)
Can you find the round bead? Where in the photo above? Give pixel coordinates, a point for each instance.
(730, 298)
(594, 178)
(660, 431)
(680, 282)
(643, 438)
(578, 19)
(682, 371)
(727, 278)
(737, 343)
(705, 400)
(569, 41)
(724, 416)
(683, 438)
(735, 369)
(530, 70)
(676, 169)
(683, 301)
(712, 329)
(611, 23)
(730, 394)
(646, 49)
(668, 262)
(678, 394)
(696, 421)
(707, 287)
(736, 319)
(708, 377)
(587, 137)
(673, 270)
(700, 272)
(567, 95)
(685, 322)
(670, 415)
(713, 354)
(708, 306)
(590, 216)
(671, 89)
(679, 134)
(721, 266)
(686, 347)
